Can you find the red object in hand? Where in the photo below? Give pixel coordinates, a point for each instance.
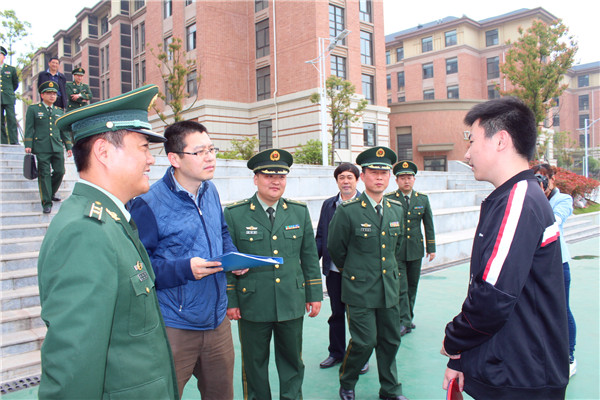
(453, 391)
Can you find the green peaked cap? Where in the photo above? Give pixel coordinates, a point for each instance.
(405, 167)
(127, 111)
(271, 162)
(379, 157)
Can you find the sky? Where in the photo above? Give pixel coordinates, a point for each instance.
(398, 15)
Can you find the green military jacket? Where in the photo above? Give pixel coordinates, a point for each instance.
(9, 82)
(364, 249)
(279, 292)
(411, 247)
(73, 88)
(106, 337)
(41, 133)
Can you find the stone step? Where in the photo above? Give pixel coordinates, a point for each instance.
(21, 342)
(16, 261)
(23, 230)
(15, 206)
(20, 366)
(20, 298)
(22, 319)
(27, 217)
(30, 194)
(450, 247)
(17, 183)
(19, 278)
(449, 220)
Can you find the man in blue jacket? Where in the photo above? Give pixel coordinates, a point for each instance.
(54, 75)
(181, 224)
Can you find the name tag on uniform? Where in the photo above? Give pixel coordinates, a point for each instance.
(394, 224)
(143, 276)
(365, 227)
(290, 227)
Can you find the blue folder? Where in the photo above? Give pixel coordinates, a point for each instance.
(232, 261)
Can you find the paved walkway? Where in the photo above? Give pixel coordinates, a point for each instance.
(420, 366)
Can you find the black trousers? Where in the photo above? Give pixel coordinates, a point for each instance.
(337, 320)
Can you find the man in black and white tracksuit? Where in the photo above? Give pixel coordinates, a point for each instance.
(510, 340)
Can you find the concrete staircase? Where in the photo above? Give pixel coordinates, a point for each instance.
(455, 197)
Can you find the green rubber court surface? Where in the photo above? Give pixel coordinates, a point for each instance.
(420, 366)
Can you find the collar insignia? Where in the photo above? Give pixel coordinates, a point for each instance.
(363, 204)
(284, 205)
(252, 206)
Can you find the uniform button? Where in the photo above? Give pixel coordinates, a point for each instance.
(302, 284)
(276, 266)
(352, 278)
(147, 290)
(275, 251)
(294, 236)
(409, 213)
(384, 271)
(50, 134)
(408, 237)
(408, 229)
(274, 237)
(383, 246)
(365, 235)
(244, 290)
(382, 233)
(252, 239)
(382, 258)
(277, 280)
(408, 220)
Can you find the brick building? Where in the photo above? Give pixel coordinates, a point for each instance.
(250, 56)
(437, 71)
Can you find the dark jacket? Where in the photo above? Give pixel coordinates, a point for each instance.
(327, 210)
(62, 100)
(174, 229)
(512, 331)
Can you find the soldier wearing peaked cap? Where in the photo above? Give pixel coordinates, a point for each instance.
(364, 235)
(9, 82)
(46, 141)
(272, 300)
(78, 93)
(416, 210)
(96, 282)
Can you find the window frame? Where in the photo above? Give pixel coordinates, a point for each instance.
(263, 81)
(369, 132)
(492, 38)
(426, 68)
(451, 65)
(366, 48)
(452, 37)
(262, 39)
(494, 64)
(368, 87)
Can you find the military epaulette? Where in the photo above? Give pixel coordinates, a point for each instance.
(351, 201)
(237, 203)
(394, 201)
(300, 203)
(95, 211)
(392, 194)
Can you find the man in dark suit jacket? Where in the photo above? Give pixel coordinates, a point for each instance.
(346, 176)
(54, 75)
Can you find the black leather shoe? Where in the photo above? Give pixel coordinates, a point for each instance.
(393, 397)
(56, 198)
(346, 394)
(47, 210)
(404, 330)
(412, 326)
(365, 368)
(329, 362)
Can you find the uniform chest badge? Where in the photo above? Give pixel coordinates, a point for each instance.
(138, 266)
(251, 230)
(365, 227)
(290, 227)
(143, 276)
(394, 224)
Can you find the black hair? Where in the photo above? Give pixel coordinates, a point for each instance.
(545, 169)
(83, 148)
(346, 166)
(509, 114)
(176, 134)
(53, 58)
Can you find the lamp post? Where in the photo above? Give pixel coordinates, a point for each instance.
(320, 60)
(585, 141)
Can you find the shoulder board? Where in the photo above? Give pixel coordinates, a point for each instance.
(391, 194)
(396, 202)
(300, 203)
(420, 194)
(95, 210)
(351, 201)
(237, 203)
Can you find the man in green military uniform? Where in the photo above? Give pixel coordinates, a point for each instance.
(364, 235)
(46, 141)
(106, 337)
(271, 300)
(9, 82)
(78, 93)
(416, 209)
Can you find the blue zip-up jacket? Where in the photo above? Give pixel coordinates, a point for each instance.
(174, 229)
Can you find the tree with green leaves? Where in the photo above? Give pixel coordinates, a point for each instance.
(340, 94)
(13, 30)
(536, 62)
(310, 153)
(175, 67)
(241, 149)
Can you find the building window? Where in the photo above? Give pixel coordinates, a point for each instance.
(429, 94)
(67, 46)
(369, 134)
(493, 92)
(388, 81)
(167, 8)
(365, 10)
(136, 76)
(260, 5)
(437, 163)
(143, 72)
(136, 40)
(582, 119)
(401, 99)
(493, 67)
(263, 83)
(137, 4)
(142, 36)
(453, 92)
(450, 38)
(583, 81)
(168, 94)
(584, 102)
(107, 88)
(77, 46)
(367, 87)
(189, 2)
(366, 49)
(428, 71)
(106, 59)
(451, 66)
(101, 60)
(104, 25)
(93, 26)
(167, 49)
(400, 80)
(399, 54)
(556, 120)
(426, 44)
(338, 66)
(389, 101)
(190, 35)
(491, 38)
(388, 57)
(262, 38)
(192, 84)
(404, 146)
(341, 139)
(265, 135)
(336, 21)
(556, 102)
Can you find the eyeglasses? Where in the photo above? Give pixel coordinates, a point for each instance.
(201, 153)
